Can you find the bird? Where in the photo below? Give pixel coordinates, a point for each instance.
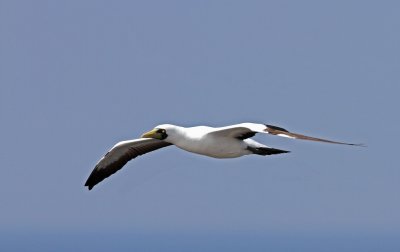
(217, 142)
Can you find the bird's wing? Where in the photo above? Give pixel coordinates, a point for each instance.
(119, 155)
(278, 131)
(247, 130)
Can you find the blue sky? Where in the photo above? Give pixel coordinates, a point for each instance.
(78, 76)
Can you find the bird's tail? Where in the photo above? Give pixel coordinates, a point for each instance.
(263, 151)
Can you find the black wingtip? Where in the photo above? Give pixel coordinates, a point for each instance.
(97, 176)
(89, 186)
(360, 145)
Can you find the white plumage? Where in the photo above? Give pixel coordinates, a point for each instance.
(223, 142)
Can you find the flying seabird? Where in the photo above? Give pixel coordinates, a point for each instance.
(223, 142)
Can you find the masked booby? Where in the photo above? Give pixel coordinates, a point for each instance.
(222, 142)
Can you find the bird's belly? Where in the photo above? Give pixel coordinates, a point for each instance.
(217, 148)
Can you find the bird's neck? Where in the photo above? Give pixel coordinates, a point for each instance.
(176, 135)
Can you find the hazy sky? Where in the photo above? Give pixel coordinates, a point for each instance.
(78, 76)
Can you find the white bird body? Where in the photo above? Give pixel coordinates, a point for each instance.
(223, 142)
(199, 140)
(217, 147)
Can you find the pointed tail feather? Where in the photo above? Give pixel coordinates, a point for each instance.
(264, 151)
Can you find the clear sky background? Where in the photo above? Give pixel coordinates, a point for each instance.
(78, 76)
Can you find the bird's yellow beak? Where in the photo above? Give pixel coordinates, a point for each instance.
(152, 134)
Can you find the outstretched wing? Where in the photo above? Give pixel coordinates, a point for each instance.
(247, 130)
(274, 130)
(119, 155)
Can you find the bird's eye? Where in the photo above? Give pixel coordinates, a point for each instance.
(162, 131)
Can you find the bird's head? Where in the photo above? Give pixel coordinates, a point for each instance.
(161, 132)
